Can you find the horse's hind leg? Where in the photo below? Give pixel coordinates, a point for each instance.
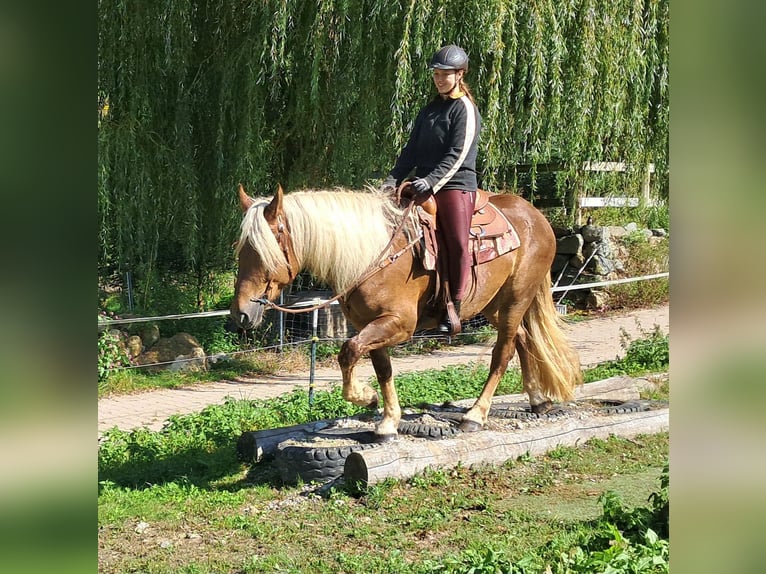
(530, 378)
(502, 353)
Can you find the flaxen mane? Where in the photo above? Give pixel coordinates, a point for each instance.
(336, 234)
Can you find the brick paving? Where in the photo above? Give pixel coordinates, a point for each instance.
(596, 340)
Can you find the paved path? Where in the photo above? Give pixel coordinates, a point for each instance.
(596, 340)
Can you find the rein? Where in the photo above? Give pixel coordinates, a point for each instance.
(381, 263)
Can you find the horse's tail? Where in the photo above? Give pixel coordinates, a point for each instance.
(552, 360)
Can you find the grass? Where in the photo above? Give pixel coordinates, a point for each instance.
(440, 521)
(178, 500)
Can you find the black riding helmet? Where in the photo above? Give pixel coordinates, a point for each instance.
(449, 57)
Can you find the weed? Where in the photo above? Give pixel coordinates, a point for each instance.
(643, 256)
(646, 354)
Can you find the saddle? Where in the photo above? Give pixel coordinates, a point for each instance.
(491, 234)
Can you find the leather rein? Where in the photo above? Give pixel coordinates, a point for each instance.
(381, 262)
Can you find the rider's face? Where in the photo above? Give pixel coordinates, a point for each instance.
(446, 80)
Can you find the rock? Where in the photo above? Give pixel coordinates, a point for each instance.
(218, 357)
(560, 232)
(631, 227)
(150, 335)
(559, 262)
(570, 244)
(597, 299)
(173, 353)
(600, 265)
(591, 233)
(134, 346)
(194, 361)
(141, 526)
(659, 232)
(577, 260)
(616, 231)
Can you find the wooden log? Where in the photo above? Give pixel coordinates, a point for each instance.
(405, 458)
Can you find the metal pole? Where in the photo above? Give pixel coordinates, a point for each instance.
(314, 339)
(130, 291)
(281, 322)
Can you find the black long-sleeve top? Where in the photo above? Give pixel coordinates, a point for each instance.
(442, 145)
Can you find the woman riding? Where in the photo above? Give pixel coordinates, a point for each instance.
(442, 151)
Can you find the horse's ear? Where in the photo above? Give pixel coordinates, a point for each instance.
(245, 201)
(275, 207)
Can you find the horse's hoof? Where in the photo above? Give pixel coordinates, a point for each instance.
(384, 438)
(542, 408)
(470, 426)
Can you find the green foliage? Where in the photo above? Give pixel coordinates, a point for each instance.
(648, 354)
(649, 217)
(644, 257)
(621, 541)
(193, 99)
(111, 354)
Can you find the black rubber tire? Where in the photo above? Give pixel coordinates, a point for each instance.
(318, 464)
(427, 431)
(506, 412)
(635, 406)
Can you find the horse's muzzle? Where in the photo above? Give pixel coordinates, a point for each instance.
(248, 317)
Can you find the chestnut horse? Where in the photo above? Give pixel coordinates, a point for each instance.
(340, 235)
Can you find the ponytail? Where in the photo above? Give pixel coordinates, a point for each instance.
(466, 90)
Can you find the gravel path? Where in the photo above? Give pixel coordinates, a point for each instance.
(596, 340)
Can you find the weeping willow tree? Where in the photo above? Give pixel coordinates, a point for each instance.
(196, 96)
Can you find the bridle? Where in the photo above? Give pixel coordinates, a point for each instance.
(283, 240)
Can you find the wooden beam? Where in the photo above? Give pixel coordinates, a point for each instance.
(404, 458)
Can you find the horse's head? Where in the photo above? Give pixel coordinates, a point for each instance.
(266, 258)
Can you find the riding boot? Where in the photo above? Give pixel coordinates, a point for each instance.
(446, 325)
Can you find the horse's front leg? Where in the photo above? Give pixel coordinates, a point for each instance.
(374, 339)
(392, 413)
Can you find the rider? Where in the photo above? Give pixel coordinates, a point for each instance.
(442, 151)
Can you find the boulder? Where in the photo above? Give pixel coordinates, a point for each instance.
(179, 352)
(597, 299)
(150, 334)
(134, 346)
(591, 233)
(569, 245)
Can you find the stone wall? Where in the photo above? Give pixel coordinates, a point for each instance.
(590, 254)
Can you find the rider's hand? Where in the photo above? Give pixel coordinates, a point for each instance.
(420, 185)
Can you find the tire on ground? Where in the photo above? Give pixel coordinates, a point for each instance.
(317, 464)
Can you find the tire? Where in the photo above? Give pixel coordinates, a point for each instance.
(317, 463)
(432, 432)
(508, 412)
(635, 406)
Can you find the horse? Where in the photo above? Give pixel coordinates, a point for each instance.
(357, 242)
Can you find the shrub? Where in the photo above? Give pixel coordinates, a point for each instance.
(111, 353)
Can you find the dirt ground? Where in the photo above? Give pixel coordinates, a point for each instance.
(596, 340)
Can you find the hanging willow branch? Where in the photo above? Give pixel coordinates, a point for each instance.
(195, 97)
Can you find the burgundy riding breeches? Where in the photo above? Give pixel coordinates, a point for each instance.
(453, 222)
